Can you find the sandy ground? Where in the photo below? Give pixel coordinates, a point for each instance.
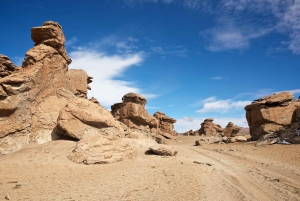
(237, 171)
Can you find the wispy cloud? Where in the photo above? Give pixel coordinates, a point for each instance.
(178, 51)
(71, 42)
(216, 78)
(212, 104)
(105, 69)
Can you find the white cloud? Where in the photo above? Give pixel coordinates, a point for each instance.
(70, 42)
(105, 69)
(216, 78)
(187, 123)
(211, 104)
(265, 92)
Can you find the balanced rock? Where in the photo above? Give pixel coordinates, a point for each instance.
(132, 112)
(271, 113)
(166, 124)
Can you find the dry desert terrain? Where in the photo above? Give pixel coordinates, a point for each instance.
(238, 171)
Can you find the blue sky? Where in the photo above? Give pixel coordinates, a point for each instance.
(191, 59)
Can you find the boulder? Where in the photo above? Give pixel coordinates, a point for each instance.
(166, 124)
(132, 112)
(240, 139)
(271, 113)
(231, 130)
(209, 128)
(163, 150)
(99, 149)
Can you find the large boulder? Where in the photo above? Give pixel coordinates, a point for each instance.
(132, 112)
(271, 113)
(81, 118)
(231, 130)
(166, 124)
(99, 149)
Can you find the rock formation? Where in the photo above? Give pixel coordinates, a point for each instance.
(6, 66)
(231, 130)
(166, 124)
(277, 115)
(43, 101)
(132, 112)
(29, 101)
(209, 128)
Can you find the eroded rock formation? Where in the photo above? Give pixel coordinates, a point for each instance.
(6, 66)
(276, 114)
(132, 112)
(209, 128)
(43, 100)
(166, 124)
(231, 130)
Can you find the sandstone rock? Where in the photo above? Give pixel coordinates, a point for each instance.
(29, 109)
(209, 128)
(81, 118)
(166, 124)
(100, 149)
(6, 66)
(80, 80)
(240, 139)
(200, 143)
(271, 113)
(132, 112)
(163, 150)
(94, 100)
(231, 130)
(296, 140)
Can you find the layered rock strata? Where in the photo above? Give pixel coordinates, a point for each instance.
(272, 113)
(166, 124)
(209, 128)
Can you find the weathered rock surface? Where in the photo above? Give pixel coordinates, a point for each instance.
(209, 128)
(29, 103)
(6, 66)
(80, 80)
(166, 124)
(163, 150)
(272, 113)
(81, 118)
(99, 149)
(231, 130)
(132, 112)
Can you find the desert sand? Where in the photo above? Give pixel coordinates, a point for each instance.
(237, 171)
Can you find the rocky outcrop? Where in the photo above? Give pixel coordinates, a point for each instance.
(209, 128)
(272, 113)
(231, 130)
(29, 103)
(132, 112)
(166, 124)
(80, 80)
(81, 118)
(6, 66)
